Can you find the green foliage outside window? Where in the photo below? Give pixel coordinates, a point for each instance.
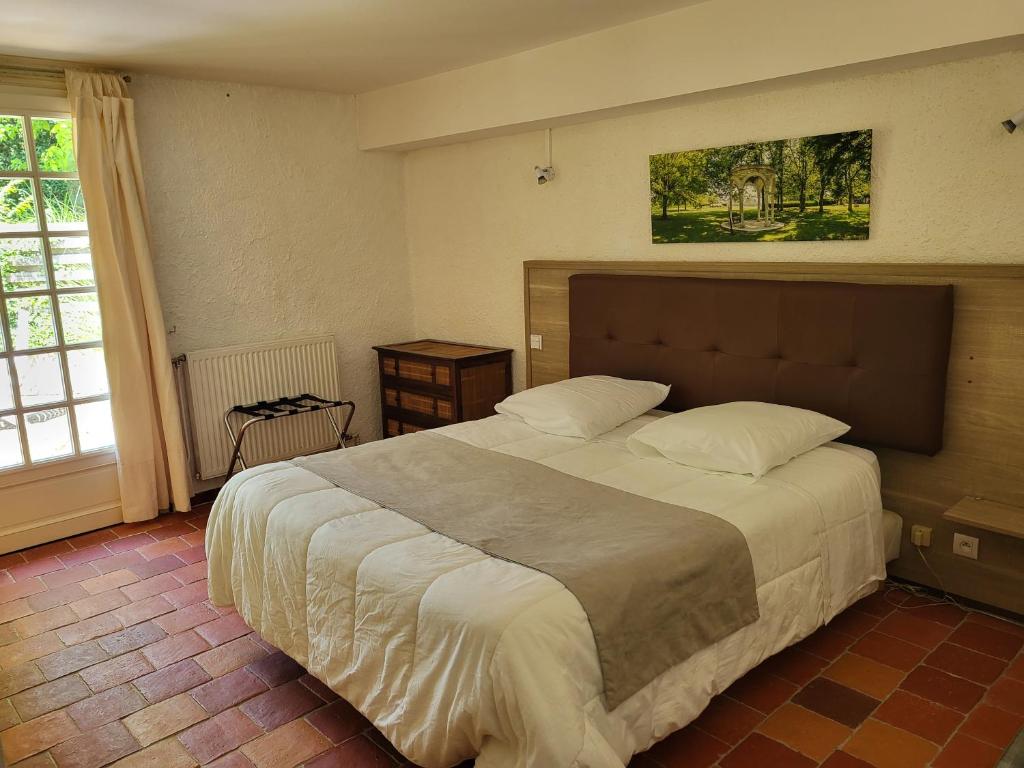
(17, 203)
(54, 145)
(63, 201)
(54, 149)
(22, 264)
(12, 145)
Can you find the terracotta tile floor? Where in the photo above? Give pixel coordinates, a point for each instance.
(110, 653)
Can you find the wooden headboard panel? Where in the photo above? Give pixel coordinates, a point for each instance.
(983, 453)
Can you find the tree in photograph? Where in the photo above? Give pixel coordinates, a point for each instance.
(854, 159)
(800, 162)
(666, 179)
(834, 154)
(777, 160)
(677, 178)
(823, 151)
(717, 165)
(694, 188)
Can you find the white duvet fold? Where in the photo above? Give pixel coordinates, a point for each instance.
(452, 653)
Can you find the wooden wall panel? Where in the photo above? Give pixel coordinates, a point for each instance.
(984, 429)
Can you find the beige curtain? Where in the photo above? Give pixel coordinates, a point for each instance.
(151, 457)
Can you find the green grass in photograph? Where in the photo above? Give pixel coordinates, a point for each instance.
(704, 225)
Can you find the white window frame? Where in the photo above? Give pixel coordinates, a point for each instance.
(78, 459)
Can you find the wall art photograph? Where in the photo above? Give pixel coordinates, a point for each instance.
(811, 188)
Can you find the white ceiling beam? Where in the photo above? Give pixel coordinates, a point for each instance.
(694, 51)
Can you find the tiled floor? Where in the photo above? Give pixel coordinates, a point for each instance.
(110, 653)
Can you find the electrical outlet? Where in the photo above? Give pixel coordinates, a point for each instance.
(536, 341)
(965, 546)
(921, 536)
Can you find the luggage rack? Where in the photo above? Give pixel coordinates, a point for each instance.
(266, 410)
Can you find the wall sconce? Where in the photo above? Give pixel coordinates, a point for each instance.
(545, 173)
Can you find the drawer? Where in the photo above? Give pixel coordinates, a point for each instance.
(397, 427)
(417, 402)
(427, 384)
(423, 371)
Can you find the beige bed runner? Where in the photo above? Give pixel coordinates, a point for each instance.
(658, 582)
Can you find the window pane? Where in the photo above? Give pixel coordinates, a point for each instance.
(54, 150)
(31, 321)
(22, 264)
(95, 430)
(65, 207)
(17, 205)
(10, 442)
(6, 393)
(49, 434)
(72, 261)
(88, 372)
(40, 380)
(12, 145)
(80, 316)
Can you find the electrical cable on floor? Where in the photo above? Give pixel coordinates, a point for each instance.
(927, 593)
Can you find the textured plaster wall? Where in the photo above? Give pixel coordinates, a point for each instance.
(268, 223)
(946, 180)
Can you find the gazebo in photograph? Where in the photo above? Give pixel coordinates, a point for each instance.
(763, 179)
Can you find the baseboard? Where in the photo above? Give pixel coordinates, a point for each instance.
(967, 602)
(49, 529)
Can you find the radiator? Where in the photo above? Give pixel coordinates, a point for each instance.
(217, 379)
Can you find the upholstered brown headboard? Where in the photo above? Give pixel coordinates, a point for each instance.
(873, 356)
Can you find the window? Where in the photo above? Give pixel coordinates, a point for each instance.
(54, 399)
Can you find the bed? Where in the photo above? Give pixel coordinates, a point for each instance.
(453, 654)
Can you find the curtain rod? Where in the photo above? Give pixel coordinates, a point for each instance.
(46, 67)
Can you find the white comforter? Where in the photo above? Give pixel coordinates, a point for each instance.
(452, 653)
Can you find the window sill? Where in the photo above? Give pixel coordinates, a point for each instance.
(56, 468)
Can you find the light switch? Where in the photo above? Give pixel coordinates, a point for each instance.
(536, 341)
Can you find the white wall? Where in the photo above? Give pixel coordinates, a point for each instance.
(946, 180)
(268, 223)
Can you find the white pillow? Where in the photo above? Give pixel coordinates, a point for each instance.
(585, 407)
(743, 438)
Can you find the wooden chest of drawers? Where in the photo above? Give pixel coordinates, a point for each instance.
(430, 383)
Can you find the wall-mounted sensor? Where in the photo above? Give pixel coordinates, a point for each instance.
(1014, 122)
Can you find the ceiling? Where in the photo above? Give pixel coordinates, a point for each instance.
(348, 46)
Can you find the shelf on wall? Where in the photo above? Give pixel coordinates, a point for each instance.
(988, 515)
